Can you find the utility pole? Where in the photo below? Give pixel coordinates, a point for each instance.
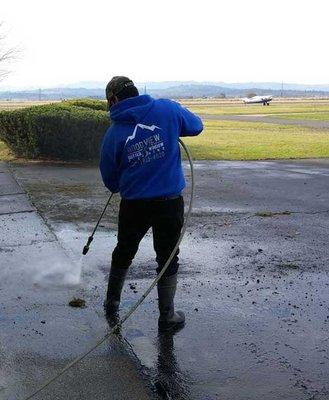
(39, 94)
(282, 89)
(145, 89)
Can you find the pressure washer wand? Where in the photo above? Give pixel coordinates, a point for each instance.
(91, 237)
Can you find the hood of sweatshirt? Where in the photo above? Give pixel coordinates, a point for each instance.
(131, 110)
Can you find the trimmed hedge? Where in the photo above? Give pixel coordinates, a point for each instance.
(59, 131)
(100, 105)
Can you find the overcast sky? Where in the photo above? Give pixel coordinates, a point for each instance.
(204, 40)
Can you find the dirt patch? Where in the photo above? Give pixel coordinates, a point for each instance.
(267, 214)
(77, 303)
(289, 265)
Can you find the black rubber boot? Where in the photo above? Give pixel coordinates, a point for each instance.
(169, 320)
(114, 289)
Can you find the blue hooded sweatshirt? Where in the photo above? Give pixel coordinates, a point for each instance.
(140, 155)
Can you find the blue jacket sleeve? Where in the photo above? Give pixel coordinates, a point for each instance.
(107, 166)
(191, 124)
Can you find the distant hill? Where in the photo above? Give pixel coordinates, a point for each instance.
(239, 85)
(171, 89)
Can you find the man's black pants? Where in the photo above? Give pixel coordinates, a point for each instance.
(164, 216)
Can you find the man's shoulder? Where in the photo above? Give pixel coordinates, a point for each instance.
(163, 100)
(119, 126)
(166, 103)
(109, 130)
(112, 131)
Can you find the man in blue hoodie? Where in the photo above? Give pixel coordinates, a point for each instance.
(140, 158)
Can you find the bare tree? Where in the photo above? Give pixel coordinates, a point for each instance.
(6, 54)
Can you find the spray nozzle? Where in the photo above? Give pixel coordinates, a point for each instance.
(86, 247)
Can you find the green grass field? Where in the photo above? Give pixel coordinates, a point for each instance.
(238, 140)
(235, 140)
(292, 108)
(314, 116)
(14, 105)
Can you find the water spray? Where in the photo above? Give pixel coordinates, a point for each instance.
(117, 327)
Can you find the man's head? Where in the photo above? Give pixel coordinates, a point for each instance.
(119, 88)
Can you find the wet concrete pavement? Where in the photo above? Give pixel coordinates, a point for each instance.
(253, 279)
(39, 332)
(271, 119)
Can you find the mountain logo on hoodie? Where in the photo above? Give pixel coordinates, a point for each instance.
(142, 126)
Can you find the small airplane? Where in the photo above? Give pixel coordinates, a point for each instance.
(265, 100)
